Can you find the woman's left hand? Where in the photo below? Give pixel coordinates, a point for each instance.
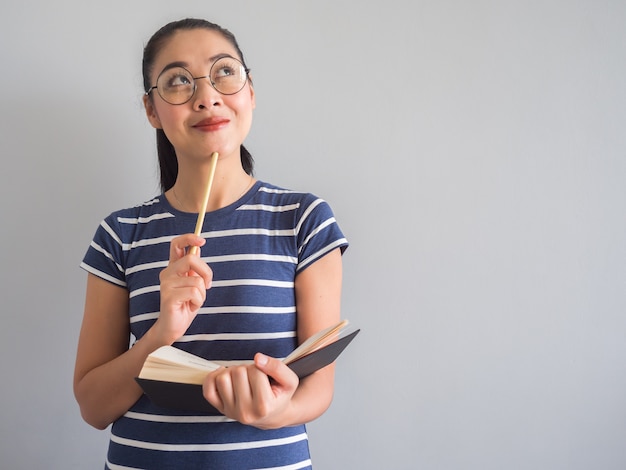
(258, 394)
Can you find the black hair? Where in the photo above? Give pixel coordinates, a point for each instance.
(168, 163)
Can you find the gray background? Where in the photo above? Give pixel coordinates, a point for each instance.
(474, 154)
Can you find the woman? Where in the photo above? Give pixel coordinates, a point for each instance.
(268, 276)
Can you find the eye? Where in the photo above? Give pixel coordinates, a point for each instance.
(178, 79)
(225, 71)
(227, 68)
(228, 75)
(175, 78)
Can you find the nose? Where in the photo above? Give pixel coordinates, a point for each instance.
(205, 95)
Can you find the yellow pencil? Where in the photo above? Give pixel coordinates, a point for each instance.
(205, 201)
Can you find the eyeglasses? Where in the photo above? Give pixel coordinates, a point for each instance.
(176, 85)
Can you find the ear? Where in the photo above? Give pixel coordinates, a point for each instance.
(151, 113)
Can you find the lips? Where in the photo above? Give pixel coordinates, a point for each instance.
(211, 124)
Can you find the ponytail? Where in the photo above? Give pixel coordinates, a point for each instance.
(168, 163)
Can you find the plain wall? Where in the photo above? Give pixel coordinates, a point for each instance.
(474, 154)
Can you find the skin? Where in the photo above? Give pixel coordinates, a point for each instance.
(266, 394)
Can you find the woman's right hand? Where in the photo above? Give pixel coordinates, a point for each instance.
(184, 284)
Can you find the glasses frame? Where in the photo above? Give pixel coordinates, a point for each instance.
(195, 79)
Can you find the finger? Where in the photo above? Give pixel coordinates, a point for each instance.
(179, 245)
(201, 269)
(282, 375)
(262, 391)
(210, 392)
(188, 266)
(224, 387)
(252, 394)
(175, 277)
(194, 296)
(240, 382)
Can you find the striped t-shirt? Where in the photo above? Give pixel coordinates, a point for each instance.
(255, 247)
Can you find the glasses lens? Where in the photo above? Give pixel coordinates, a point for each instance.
(175, 85)
(228, 75)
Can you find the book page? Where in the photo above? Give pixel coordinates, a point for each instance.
(316, 341)
(169, 355)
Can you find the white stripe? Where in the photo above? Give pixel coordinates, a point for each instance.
(265, 189)
(147, 242)
(98, 248)
(144, 317)
(150, 203)
(144, 220)
(145, 290)
(110, 231)
(307, 212)
(247, 231)
(317, 230)
(268, 208)
(253, 282)
(218, 310)
(177, 419)
(295, 466)
(104, 276)
(245, 309)
(321, 253)
(113, 466)
(250, 257)
(235, 336)
(208, 447)
(147, 266)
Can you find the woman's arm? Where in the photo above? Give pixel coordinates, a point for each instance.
(318, 300)
(105, 369)
(268, 395)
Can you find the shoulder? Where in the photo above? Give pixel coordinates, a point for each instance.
(124, 221)
(150, 207)
(156, 207)
(312, 216)
(272, 193)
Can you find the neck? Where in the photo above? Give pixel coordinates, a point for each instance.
(229, 184)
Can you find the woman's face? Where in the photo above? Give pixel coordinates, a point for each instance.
(209, 122)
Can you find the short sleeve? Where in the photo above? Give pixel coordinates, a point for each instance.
(105, 255)
(317, 232)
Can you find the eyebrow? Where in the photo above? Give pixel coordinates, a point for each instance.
(185, 65)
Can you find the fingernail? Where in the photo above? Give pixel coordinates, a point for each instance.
(261, 359)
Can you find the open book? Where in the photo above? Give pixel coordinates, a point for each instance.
(173, 378)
